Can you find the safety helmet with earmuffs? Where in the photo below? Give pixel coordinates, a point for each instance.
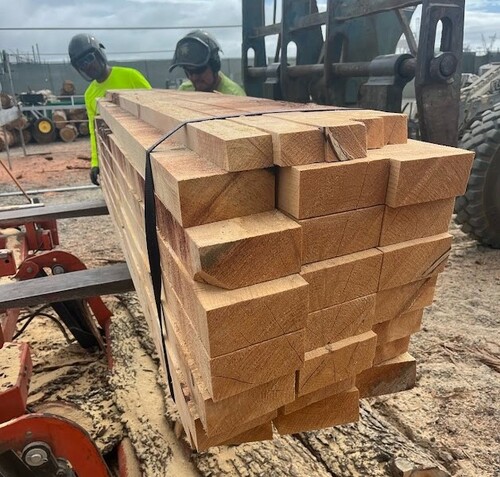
(87, 56)
(195, 51)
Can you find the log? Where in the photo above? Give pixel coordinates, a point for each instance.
(60, 119)
(7, 101)
(20, 123)
(78, 114)
(83, 128)
(28, 136)
(372, 446)
(68, 133)
(7, 139)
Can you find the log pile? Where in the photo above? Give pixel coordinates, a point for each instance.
(298, 251)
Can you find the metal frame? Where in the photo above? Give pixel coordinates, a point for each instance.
(355, 64)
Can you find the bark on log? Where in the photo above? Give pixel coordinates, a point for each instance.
(370, 447)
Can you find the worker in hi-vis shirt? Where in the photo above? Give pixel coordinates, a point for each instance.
(198, 54)
(88, 58)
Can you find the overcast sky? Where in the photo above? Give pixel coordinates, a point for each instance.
(482, 20)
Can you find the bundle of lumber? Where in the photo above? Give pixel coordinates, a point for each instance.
(298, 249)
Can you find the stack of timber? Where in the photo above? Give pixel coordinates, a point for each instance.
(298, 252)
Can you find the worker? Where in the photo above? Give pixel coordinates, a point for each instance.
(88, 58)
(198, 54)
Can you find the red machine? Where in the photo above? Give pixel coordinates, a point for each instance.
(41, 444)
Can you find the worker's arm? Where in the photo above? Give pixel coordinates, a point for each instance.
(90, 101)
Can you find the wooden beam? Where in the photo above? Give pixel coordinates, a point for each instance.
(340, 234)
(50, 212)
(315, 190)
(414, 260)
(402, 299)
(336, 362)
(399, 327)
(338, 322)
(411, 222)
(237, 252)
(424, 172)
(106, 280)
(334, 410)
(391, 350)
(232, 147)
(181, 176)
(392, 376)
(315, 396)
(341, 279)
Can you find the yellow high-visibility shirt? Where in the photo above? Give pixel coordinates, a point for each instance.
(226, 86)
(119, 78)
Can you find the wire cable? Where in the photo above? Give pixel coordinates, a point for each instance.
(202, 27)
(31, 317)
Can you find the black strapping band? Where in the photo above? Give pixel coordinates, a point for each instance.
(150, 212)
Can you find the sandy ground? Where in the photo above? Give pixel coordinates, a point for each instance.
(453, 414)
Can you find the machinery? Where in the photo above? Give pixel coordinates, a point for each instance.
(34, 444)
(39, 107)
(345, 56)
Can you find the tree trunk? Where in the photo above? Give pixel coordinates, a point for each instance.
(68, 133)
(60, 119)
(6, 138)
(83, 128)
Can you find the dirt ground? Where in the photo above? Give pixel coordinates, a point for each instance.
(452, 415)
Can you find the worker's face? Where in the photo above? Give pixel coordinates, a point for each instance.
(93, 67)
(203, 79)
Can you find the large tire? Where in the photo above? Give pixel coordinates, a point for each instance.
(478, 211)
(44, 131)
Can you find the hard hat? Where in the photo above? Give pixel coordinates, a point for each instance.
(196, 50)
(84, 49)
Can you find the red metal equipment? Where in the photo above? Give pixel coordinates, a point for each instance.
(42, 444)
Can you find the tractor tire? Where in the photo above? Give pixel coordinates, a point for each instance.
(44, 131)
(478, 211)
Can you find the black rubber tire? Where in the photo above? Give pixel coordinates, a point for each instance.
(44, 131)
(478, 211)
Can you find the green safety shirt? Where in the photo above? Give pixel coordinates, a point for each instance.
(226, 86)
(119, 78)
